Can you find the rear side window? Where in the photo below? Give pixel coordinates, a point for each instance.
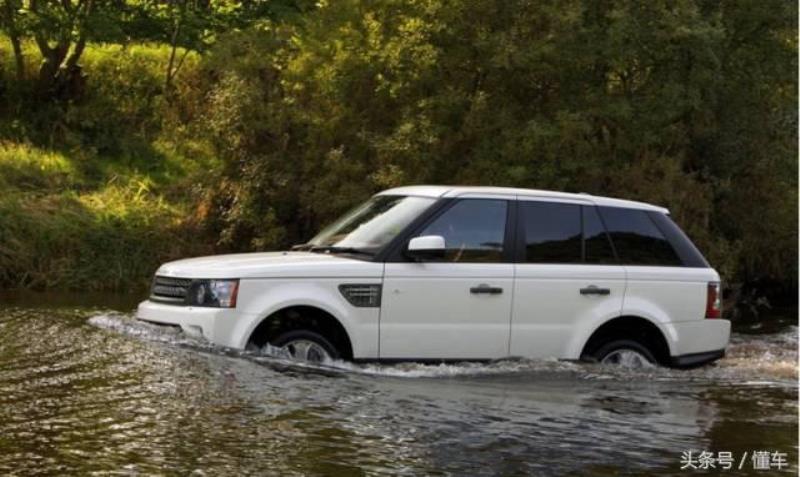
(637, 239)
(555, 232)
(552, 232)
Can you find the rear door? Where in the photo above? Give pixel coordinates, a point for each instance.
(566, 276)
(458, 307)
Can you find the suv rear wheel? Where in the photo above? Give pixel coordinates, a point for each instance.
(626, 353)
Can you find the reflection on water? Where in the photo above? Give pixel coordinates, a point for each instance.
(84, 392)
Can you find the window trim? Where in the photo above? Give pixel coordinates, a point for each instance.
(617, 260)
(395, 250)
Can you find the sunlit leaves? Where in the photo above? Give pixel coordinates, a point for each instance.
(631, 99)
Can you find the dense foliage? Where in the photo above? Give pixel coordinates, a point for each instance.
(288, 117)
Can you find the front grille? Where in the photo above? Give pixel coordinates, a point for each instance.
(170, 290)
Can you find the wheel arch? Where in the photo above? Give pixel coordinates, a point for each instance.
(302, 315)
(641, 329)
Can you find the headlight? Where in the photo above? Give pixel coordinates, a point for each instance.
(213, 293)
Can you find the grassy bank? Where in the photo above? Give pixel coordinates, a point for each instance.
(96, 193)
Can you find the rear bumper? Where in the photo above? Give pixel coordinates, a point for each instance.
(696, 359)
(698, 337)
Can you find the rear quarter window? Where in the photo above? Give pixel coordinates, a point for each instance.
(637, 239)
(686, 250)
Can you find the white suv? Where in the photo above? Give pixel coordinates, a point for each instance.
(435, 273)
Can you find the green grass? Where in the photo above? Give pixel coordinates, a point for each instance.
(111, 239)
(27, 167)
(96, 193)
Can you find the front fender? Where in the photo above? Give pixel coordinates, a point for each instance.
(264, 297)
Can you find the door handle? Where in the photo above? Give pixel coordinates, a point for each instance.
(594, 290)
(485, 289)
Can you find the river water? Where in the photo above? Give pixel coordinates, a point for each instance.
(84, 389)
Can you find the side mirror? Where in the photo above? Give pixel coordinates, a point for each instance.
(426, 247)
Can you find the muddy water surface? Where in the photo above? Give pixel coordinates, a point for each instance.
(86, 390)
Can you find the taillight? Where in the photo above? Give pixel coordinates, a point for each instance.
(714, 300)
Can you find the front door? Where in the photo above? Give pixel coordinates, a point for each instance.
(457, 307)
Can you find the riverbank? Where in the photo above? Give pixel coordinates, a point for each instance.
(98, 192)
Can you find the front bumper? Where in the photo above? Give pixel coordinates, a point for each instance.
(217, 325)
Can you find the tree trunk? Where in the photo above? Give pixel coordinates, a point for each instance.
(72, 61)
(173, 50)
(51, 63)
(70, 80)
(13, 33)
(19, 59)
(60, 73)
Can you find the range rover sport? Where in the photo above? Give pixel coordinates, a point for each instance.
(443, 273)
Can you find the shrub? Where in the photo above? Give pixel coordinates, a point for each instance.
(110, 239)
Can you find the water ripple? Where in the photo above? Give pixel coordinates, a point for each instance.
(108, 395)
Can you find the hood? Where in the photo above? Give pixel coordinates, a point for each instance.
(271, 265)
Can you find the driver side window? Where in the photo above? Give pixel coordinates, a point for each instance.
(473, 229)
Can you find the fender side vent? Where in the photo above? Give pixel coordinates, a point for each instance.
(362, 295)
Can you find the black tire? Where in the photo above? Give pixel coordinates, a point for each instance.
(615, 345)
(317, 338)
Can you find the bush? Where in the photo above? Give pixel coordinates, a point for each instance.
(111, 239)
(97, 192)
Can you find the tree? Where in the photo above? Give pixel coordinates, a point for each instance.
(61, 30)
(688, 104)
(8, 21)
(195, 25)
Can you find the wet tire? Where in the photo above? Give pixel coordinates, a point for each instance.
(296, 336)
(618, 347)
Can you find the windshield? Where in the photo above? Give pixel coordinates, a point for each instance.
(372, 224)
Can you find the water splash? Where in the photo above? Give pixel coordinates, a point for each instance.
(768, 356)
(460, 369)
(751, 360)
(126, 325)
